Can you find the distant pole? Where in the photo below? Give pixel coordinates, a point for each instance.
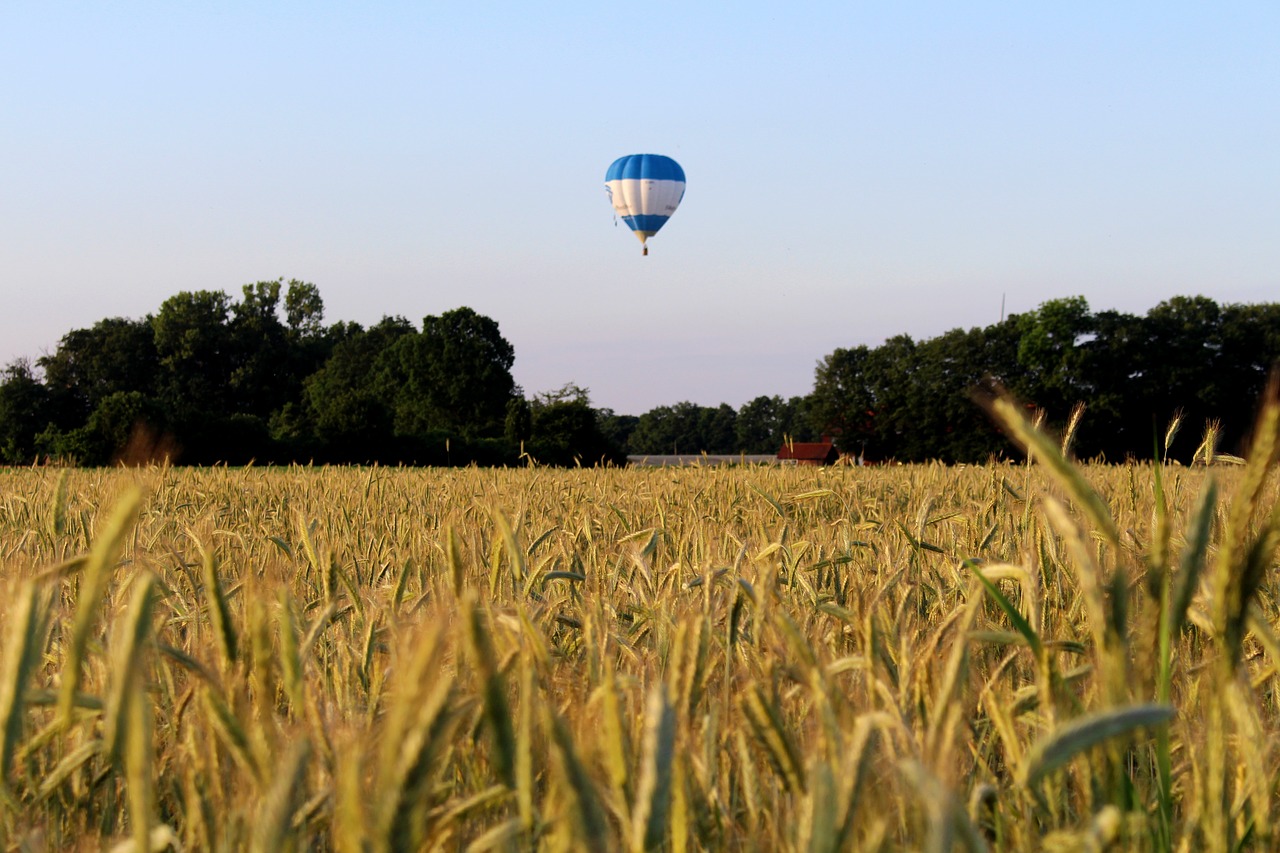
(1002, 308)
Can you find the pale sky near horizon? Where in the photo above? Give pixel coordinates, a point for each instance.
(855, 170)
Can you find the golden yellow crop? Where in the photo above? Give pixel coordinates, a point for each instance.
(1008, 657)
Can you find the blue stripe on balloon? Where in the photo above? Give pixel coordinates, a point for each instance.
(648, 167)
(647, 222)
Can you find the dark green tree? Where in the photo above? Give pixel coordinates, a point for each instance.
(194, 344)
(842, 402)
(303, 309)
(565, 430)
(798, 422)
(1051, 355)
(24, 412)
(717, 428)
(1114, 386)
(616, 429)
(112, 356)
(350, 405)
(669, 430)
(760, 426)
(263, 376)
(947, 370)
(126, 426)
(454, 376)
(912, 401)
(1250, 340)
(518, 425)
(1183, 369)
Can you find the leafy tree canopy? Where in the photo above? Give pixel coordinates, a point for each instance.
(209, 378)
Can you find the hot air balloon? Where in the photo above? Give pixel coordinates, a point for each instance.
(645, 190)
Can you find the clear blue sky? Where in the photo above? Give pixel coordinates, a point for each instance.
(855, 170)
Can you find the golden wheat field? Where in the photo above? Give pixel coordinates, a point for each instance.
(1005, 657)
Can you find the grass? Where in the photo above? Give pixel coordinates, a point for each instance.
(1005, 657)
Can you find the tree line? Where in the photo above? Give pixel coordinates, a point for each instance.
(1188, 358)
(207, 379)
(210, 379)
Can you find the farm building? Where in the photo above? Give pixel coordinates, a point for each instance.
(808, 453)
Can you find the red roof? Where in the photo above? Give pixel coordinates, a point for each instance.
(809, 451)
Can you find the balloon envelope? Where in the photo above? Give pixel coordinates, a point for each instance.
(645, 190)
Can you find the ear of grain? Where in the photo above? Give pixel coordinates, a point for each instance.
(1068, 477)
(796, 643)
(617, 743)
(262, 679)
(503, 836)
(817, 825)
(1176, 591)
(524, 744)
(406, 800)
(653, 791)
(453, 558)
(515, 554)
(1106, 623)
(1267, 638)
(318, 569)
(1257, 785)
(1073, 423)
(1081, 734)
(949, 706)
(24, 645)
(224, 630)
(590, 830)
(323, 621)
(766, 724)
(201, 829)
(70, 764)
(497, 710)
(856, 770)
(290, 657)
(93, 583)
(496, 549)
(772, 502)
(58, 506)
(354, 809)
(693, 684)
(126, 661)
(1020, 624)
(367, 647)
(419, 722)
(1191, 564)
(1158, 550)
(935, 802)
(1258, 561)
(543, 537)
(681, 824)
(344, 579)
(748, 782)
(460, 810)
(1171, 432)
(737, 613)
(137, 761)
(416, 678)
(273, 825)
(228, 729)
(61, 571)
(1240, 564)
(402, 585)
(833, 740)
